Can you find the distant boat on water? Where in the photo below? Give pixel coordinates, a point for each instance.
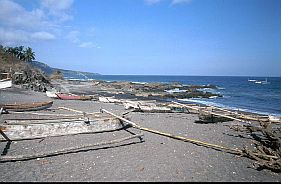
(262, 82)
(252, 80)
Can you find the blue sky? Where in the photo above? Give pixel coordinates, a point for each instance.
(149, 37)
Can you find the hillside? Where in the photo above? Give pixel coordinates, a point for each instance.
(23, 74)
(33, 75)
(66, 73)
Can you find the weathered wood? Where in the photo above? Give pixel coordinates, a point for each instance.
(34, 131)
(230, 117)
(27, 106)
(67, 150)
(82, 112)
(145, 107)
(46, 114)
(194, 141)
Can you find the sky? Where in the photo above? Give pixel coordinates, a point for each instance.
(149, 37)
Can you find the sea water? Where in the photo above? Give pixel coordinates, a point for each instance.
(240, 93)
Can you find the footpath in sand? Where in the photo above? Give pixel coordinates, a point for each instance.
(156, 158)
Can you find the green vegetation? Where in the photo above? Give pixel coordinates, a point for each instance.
(23, 54)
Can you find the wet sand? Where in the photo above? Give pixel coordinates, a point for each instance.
(158, 158)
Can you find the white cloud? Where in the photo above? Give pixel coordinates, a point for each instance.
(58, 8)
(150, 2)
(42, 36)
(73, 36)
(18, 24)
(173, 2)
(180, 1)
(14, 15)
(12, 36)
(86, 45)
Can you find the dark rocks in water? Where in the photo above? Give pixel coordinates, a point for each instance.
(190, 94)
(159, 90)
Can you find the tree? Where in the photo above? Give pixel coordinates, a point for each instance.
(19, 52)
(28, 54)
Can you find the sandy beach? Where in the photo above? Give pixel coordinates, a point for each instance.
(157, 158)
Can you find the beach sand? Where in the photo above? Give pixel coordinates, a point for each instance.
(158, 158)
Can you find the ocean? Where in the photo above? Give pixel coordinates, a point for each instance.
(239, 93)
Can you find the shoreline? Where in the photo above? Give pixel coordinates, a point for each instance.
(158, 158)
(185, 101)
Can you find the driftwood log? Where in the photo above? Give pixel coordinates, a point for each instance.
(267, 141)
(67, 150)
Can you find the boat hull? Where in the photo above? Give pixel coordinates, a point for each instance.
(27, 106)
(72, 97)
(13, 131)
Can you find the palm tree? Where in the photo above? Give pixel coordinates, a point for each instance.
(19, 52)
(28, 54)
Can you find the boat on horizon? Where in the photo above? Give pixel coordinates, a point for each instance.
(262, 82)
(252, 80)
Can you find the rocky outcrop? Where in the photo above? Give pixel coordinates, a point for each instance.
(32, 79)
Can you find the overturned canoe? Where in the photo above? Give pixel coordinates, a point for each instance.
(64, 96)
(15, 130)
(27, 106)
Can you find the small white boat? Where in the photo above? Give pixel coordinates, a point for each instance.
(5, 83)
(252, 80)
(51, 94)
(262, 82)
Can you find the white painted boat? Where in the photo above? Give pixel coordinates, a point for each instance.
(51, 94)
(252, 80)
(5, 83)
(262, 82)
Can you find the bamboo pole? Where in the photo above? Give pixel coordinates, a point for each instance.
(194, 141)
(230, 117)
(46, 114)
(65, 151)
(35, 121)
(258, 118)
(73, 110)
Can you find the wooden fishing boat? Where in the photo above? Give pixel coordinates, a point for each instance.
(34, 129)
(65, 96)
(27, 106)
